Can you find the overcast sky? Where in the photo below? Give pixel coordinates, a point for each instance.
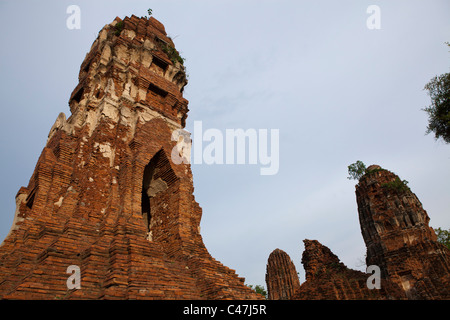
(337, 91)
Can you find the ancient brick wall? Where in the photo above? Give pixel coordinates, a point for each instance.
(399, 240)
(396, 230)
(328, 278)
(105, 194)
(281, 277)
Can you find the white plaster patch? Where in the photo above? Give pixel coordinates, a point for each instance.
(59, 123)
(156, 186)
(106, 150)
(91, 120)
(110, 111)
(103, 34)
(111, 88)
(106, 54)
(19, 200)
(148, 44)
(129, 33)
(59, 202)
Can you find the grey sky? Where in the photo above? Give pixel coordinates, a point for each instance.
(337, 91)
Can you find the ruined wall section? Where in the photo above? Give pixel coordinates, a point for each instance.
(399, 240)
(281, 276)
(328, 278)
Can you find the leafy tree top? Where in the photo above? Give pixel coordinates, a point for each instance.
(439, 111)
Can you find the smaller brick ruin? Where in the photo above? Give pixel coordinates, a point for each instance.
(395, 228)
(328, 278)
(399, 240)
(281, 277)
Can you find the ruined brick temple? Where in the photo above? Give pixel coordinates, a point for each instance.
(395, 229)
(105, 194)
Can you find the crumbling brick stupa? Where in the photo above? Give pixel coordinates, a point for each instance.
(281, 277)
(327, 278)
(399, 240)
(395, 229)
(105, 195)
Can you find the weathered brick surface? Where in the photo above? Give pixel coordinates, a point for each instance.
(396, 230)
(281, 277)
(328, 278)
(105, 194)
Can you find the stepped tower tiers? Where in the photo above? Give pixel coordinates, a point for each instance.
(105, 195)
(398, 238)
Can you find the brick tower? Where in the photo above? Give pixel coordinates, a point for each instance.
(281, 276)
(398, 238)
(105, 195)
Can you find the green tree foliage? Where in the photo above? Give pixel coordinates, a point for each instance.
(398, 186)
(172, 53)
(356, 170)
(258, 289)
(439, 111)
(118, 28)
(443, 236)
